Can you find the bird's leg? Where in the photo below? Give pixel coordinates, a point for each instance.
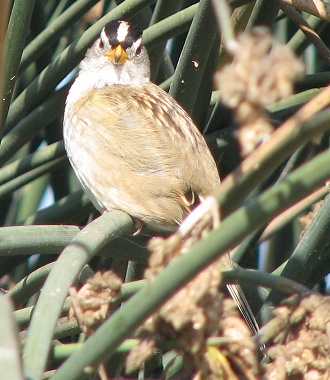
(138, 224)
(200, 212)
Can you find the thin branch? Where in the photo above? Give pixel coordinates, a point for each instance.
(292, 212)
(315, 7)
(304, 26)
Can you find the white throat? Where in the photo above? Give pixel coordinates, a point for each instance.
(89, 80)
(97, 72)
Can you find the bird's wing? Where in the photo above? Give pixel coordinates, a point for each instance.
(158, 135)
(141, 142)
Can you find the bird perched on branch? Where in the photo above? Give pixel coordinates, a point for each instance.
(131, 145)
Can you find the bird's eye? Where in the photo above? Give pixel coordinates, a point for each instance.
(138, 50)
(101, 44)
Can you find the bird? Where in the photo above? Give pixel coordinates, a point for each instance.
(131, 145)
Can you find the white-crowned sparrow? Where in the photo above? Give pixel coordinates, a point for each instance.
(131, 145)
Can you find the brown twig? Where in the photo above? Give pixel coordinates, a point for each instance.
(292, 212)
(317, 8)
(304, 26)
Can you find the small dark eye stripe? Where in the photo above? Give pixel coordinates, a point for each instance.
(133, 34)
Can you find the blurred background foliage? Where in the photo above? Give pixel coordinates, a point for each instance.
(41, 201)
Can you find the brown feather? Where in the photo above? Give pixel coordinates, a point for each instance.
(146, 160)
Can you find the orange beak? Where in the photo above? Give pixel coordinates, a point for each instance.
(118, 55)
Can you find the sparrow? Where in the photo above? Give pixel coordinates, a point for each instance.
(131, 145)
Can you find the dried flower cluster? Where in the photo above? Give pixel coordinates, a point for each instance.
(262, 72)
(195, 313)
(302, 340)
(92, 303)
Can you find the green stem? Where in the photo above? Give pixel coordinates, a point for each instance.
(31, 161)
(10, 361)
(236, 227)
(66, 269)
(258, 166)
(54, 30)
(304, 261)
(194, 56)
(29, 176)
(28, 127)
(17, 32)
(65, 62)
